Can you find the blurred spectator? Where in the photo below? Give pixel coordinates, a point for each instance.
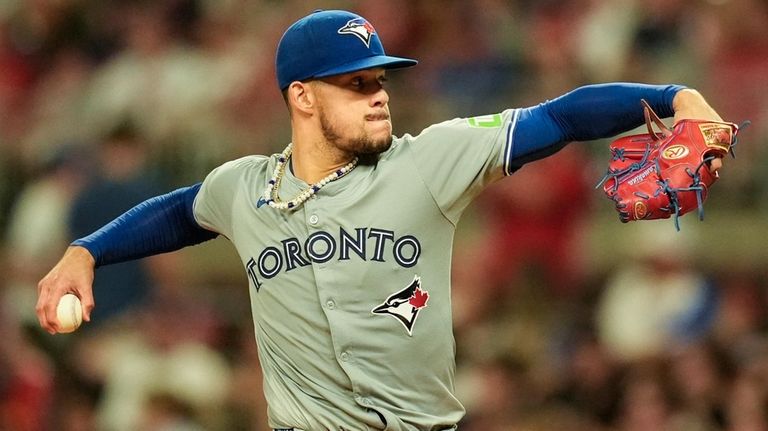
(606, 58)
(746, 407)
(526, 230)
(158, 369)
(550, 50)
(699, 374)
(733, 48)
(647, 402)
(472, 76)
(743, 312)
(661, 45)
(38, 225)
(26, 378)
(55, 104)
(497, 396)
(17, 78)
(247, 404)
(169, 89)
(167, 413)
(657, 300)
(589, 382)
(118, 182)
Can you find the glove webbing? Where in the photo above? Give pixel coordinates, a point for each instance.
(696, 186)
(618, 153)
(619, 174)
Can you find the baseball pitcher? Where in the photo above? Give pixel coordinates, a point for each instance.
(346, 235)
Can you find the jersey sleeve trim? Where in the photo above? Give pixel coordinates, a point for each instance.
(507, 163)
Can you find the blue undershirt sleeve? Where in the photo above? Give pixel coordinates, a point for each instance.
(158, 225)
(586, 113)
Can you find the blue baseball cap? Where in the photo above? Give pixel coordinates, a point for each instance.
(331, 42)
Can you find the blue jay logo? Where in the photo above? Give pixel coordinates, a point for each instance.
(405, 304)
(361, 28)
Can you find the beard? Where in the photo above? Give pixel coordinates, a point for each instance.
(362, 144)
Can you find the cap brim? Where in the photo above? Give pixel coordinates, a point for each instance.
(384, 61)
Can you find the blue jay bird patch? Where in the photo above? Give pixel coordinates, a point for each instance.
(405, 305)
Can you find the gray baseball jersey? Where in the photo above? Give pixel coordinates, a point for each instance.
(350, 293)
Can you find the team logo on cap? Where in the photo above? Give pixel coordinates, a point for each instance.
(405, 304)
(361, 28)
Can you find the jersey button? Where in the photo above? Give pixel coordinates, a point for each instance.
(313, 219)
(330, 304)
(344, 356)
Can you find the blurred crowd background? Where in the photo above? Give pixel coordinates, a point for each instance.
(564, 317)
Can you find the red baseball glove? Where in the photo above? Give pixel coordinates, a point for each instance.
(664, 174)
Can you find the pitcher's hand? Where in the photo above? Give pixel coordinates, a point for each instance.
(72, 274)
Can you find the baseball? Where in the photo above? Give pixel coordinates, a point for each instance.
(69, 312)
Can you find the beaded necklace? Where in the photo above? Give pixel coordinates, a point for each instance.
(270, 196)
